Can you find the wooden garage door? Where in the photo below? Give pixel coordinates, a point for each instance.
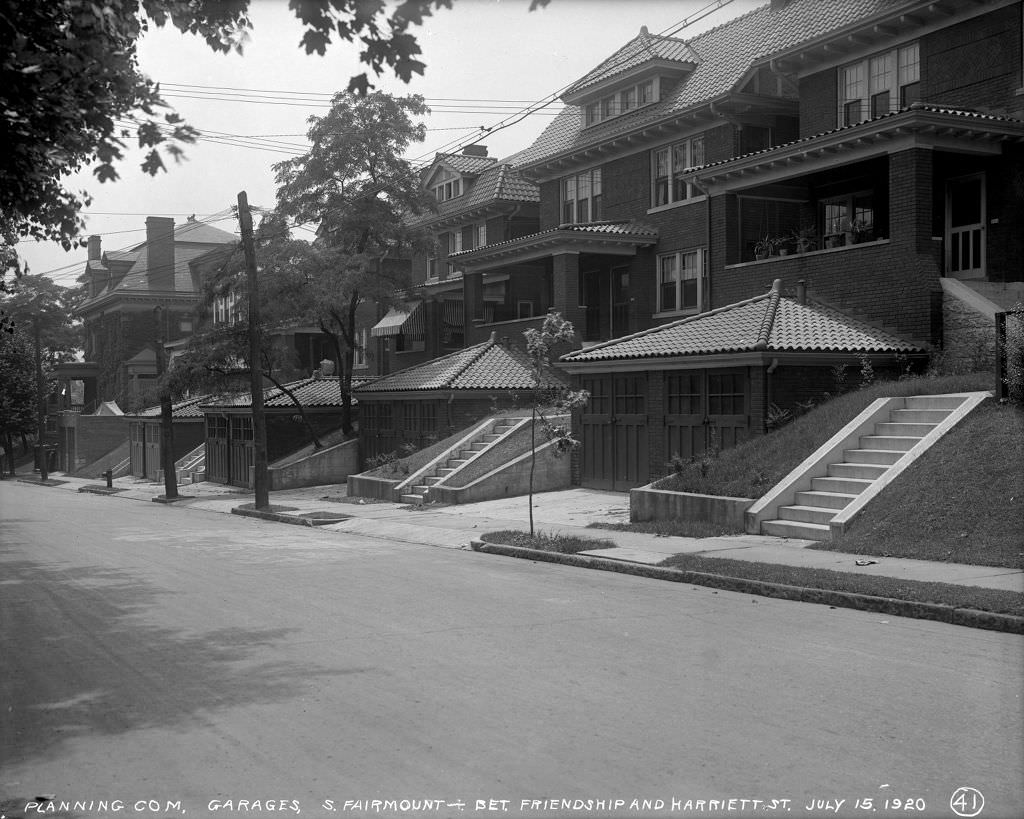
(614, 432)
(137, 451)
(705, 409)
(241, 455)
(217, 448)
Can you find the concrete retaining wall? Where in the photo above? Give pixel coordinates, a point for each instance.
(332, 464)
(646, 503)
(364, 486)
(511, 479)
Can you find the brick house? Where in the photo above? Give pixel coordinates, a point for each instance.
(124, 289)
(480, 200)
(870, 151)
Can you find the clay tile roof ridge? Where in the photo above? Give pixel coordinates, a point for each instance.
(670, 325)
(765, 331)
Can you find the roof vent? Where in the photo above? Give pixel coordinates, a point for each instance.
(494, 336)
(801, 292)
(643, 31)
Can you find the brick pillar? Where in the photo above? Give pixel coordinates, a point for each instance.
(473, 307)
(657, 445)
(566, 282)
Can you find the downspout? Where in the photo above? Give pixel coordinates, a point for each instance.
(768, 383)
(706, 289)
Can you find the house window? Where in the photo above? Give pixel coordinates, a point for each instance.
(727, 394)
(844, 214)
(524, 309)
(359, 353)
(669, 164)
(581, 197)
(431, 268)
(226, 309)
(880, 84)
(680, 281)
(628, 99)
(455, 242)
(447, 185)
(481, 234)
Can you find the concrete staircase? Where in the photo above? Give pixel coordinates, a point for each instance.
(190, 468)
(450, 463)
(821, 497)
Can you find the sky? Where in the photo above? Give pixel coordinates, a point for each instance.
(486, 60)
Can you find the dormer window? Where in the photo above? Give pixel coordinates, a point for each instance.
(447, 185)
(621, 102)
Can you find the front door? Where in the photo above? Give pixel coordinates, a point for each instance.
(241, 455)
(614, 432)
(217, 448)
(965, 227)
(152, 456)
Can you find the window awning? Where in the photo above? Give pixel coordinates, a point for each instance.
(453, 313)
(409, 322)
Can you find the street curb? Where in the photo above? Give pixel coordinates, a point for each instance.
(99, 490)
(293, 519)
(971, 618)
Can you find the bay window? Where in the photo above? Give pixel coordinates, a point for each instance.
(680, 281)
(669, 164)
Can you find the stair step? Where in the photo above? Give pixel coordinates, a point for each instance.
(467, 454)
(455, 463)
(416, 500)
(845, 486)
(444, 471)
(901, 442)
(933, 402)
(919, 416)
(490, 437)
(432, 480)
(826, 500)
(792, 528)
(904, 428)
(872, 456)
(502, 429)
(479, 446)
(421, 489)
(807, 514)
(868, 472)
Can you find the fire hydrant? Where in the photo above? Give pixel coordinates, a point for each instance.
(109, 475)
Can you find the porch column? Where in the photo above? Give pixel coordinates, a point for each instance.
(911, 214)
(566, 285)
(473, 307)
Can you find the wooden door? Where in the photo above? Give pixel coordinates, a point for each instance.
(241, 453)
(685, 414)
(614, 432)
(152, 451)
(137, 448)
(217, 449)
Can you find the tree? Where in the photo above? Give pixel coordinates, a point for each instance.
(354, 183)
(18, 399)
(37, 296)
(548, 392)
(69, 79)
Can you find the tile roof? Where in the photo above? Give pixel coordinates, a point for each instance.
(310, 392)
(641, 49)
(724, 53)
(487, 366)
(189, 408)
(464, 163)
(628, 229)
(903, 113)
(766, 323)
(499, 183)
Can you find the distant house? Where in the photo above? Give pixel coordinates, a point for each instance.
(124, 289)
(481, 200)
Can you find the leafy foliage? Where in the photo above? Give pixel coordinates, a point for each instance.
(39, 297)
(354, 183)
(540, 347)
(18, 395)
(71, 92)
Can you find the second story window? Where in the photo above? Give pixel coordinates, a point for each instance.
(621, 102)
(581, 197)
(680, 277)
(669, 164)
(880, 85)
(481, 235)
(226, 310)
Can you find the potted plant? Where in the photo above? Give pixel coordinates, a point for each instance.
(806, 239)
(764, 247)
(781, 244)
(856, 231)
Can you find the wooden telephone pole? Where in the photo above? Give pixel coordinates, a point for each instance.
(259, 421)
(41, 405)
(166, 413)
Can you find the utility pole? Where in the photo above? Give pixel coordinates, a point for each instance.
(41, 396)
(166, 413)
(259, 421)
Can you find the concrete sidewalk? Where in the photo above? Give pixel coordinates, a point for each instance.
(564, 512)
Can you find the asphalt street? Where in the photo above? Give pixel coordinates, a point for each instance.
(164, 661)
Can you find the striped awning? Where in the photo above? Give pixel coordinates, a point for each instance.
(409, 322)
(453, 314)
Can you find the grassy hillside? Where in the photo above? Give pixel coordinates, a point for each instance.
(962, 501)
(752, 468)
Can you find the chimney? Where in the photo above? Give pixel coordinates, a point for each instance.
(160, 252)
(779, 4)
(475, 150)
(801, 292)
(94, 249)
